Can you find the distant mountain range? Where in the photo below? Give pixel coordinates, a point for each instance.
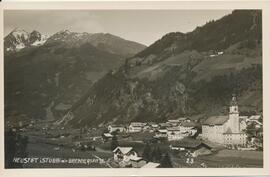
(44, 76)
(182, 74)
(20, 39)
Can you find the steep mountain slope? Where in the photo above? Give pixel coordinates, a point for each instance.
(45, 80)
(192, 74)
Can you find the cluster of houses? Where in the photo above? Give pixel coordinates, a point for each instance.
(128, 157)
(227, 130)
(172, 130)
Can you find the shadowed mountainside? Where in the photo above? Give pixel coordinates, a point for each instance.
(192, 74)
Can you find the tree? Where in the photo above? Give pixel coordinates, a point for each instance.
(10, 148)
(116, 132)
(114, 143)
(158, 154)
(147, 152)
(166, 161)
(15, 146)
(153, 155)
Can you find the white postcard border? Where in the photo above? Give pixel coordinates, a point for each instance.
(264, 5)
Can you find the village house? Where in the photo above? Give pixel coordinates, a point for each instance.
(162, 133)
(146, 128)
(255, 119)
(216, 53)
(185, 129)
(153, 126)
(183, 119)
(136, 127)
(195, 147)
(164, 125)
(172, 147)
(114, 128)
(174, 122)
(107, 136)
(123, 155)
(243, 124)
(137, 162)
(225, 129)
(174, 133)
(188, 128)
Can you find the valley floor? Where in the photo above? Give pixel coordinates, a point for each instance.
(102, 157)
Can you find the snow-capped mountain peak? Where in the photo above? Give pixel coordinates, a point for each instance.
(20, 38)
(37, 39)
(19, 33)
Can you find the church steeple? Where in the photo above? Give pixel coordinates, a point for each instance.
(233, 121)
(234, 105)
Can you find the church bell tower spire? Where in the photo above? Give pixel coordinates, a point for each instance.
(233, 122)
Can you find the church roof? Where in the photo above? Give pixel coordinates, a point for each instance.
(216, 120)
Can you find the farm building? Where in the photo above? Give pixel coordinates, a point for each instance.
(114, 128)
(174, 122)
(135, 127)
(196, 147)
(162, 133)
(137, 162)
(188, 128)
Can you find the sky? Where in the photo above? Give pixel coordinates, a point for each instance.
(143, 26)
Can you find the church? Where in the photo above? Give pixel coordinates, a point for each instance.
(225, 129)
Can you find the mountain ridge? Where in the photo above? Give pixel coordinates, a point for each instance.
(177, 77)
(44, 80)
(19, 39)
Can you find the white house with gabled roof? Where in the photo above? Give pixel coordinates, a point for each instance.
(124, 154)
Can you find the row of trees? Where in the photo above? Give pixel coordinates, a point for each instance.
(154, 154)
(15, 146)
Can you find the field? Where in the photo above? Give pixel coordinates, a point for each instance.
(224, 159)
(48, 151)
(46, 148)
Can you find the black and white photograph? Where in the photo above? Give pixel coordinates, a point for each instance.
(127, 88)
